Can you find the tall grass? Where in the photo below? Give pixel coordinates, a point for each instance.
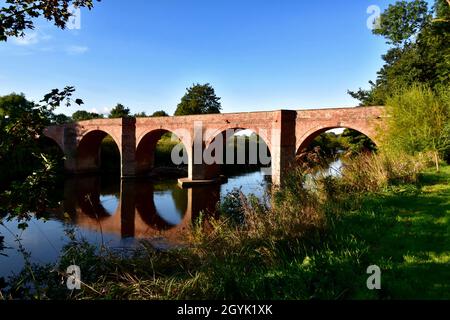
(374, 172)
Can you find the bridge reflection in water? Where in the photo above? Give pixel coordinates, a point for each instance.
(143, 209)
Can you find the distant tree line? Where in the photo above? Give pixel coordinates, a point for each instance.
(349, 142)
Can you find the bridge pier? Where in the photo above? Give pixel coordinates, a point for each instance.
(83, 157)
(200, 173)
(128, 166)
(70, 145)
(283, 145)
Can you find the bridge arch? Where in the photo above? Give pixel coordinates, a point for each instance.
(49, 142)
(211, 135)
(89, 150)
(53, 141)
(225, 135)
(56, 136)
(51, 146)
(146, 148)
(308, 137)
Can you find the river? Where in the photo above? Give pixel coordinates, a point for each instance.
(118, 214)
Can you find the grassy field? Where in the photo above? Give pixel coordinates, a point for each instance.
(407, 233)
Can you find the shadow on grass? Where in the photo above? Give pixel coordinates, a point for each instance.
(408, 236)
(430, 178)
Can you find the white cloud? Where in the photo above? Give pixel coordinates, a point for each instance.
(46, 37)
(75, 50)
(32, 38)
(244, 133)
(104, 111)
(27, 40)
(337, 131)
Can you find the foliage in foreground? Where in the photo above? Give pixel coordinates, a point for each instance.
(22, 123)
(17, 16)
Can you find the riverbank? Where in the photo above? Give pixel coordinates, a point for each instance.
(298, 252)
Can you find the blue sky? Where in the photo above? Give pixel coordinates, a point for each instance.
(258, 54)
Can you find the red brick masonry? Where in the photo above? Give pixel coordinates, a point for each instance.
(285, 133)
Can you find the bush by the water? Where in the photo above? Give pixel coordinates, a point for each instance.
(418, 121)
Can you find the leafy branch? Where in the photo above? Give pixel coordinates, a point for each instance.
(19, 15)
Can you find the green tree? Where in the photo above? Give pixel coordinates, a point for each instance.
(82, 115)
(26, 188)
(119, 111)
(400, 22)
(356, 142)
(420, 52)
(17, 15)
(199, 99)
(13, 105)
(22, 122)
(140, 115)
(419, 121)
(328, 143)
(61, 119)
(160, 113)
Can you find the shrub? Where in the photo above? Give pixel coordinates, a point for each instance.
(232, 207)
(418, 120)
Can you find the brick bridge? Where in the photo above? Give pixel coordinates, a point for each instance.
(286, 132)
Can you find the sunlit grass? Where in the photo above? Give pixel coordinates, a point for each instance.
(414, 239)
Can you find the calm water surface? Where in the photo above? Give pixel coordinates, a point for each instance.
(118, 214)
